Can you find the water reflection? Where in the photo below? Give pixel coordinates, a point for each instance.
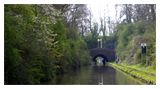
(93, 75)
(103, 75)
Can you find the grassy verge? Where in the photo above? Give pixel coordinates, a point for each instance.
(130, 76)
(146, 78)
(148, 69)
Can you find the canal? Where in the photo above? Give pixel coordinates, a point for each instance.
(93, 75)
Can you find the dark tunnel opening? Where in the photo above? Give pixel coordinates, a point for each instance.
(104, 60)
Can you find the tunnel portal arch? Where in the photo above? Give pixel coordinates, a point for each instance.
(107, 54)
(105, 59)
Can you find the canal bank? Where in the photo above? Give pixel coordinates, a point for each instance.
(147, 78)
(93, 75)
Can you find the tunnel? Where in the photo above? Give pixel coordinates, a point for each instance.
(105, 59)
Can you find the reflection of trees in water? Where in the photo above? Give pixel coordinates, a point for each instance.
(124, 79)
(103, 74)
(75, 77)
(93, 75)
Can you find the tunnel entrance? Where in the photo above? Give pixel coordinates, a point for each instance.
(100, 59)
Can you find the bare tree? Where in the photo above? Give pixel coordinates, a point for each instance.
(137, 12)
(74, 17)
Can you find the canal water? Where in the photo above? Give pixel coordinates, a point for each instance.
(93, 75)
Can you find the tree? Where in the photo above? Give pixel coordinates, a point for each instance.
(36, 44)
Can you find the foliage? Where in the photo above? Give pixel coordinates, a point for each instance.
(40, 42)
(91, 41)
(130, 37)
(143, 21)
(124, 36)
(36, 44)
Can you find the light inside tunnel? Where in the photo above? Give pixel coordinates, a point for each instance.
(100, 59)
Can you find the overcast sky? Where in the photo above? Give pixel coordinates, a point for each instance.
(98, 9)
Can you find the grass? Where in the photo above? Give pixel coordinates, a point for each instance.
(148, 69)
(149, 79)
(131, 77)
